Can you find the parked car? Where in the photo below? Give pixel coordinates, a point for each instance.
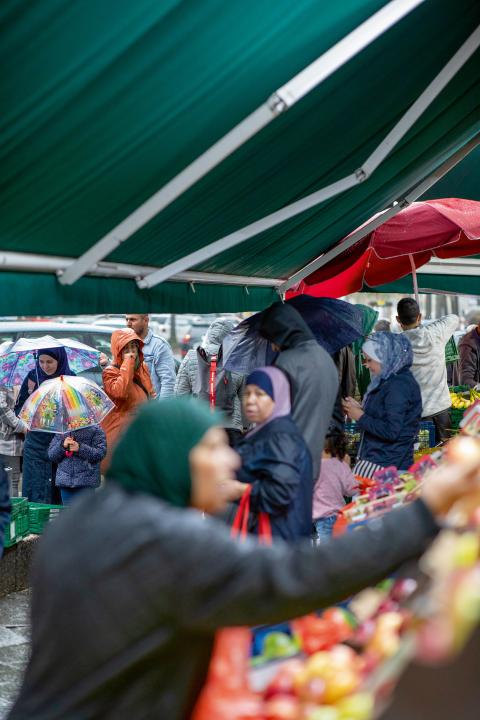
(193, 337)
(95, 336)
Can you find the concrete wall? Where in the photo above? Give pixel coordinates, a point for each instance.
(15, 565)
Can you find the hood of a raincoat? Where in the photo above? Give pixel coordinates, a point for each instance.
(216, 334)
(283, 325)
(120, 339)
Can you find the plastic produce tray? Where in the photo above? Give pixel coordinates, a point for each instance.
(40, 515)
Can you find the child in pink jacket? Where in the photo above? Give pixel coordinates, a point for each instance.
(336, 481)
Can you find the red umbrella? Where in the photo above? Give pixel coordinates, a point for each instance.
(435, 228)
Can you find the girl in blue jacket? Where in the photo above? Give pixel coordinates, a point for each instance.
(78, 456)
(392, 407)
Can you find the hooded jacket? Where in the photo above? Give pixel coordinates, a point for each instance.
(194, 369)
(469, 349)
(126, 386)
(311, 371)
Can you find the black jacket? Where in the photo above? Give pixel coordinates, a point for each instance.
(123, 621)
(277, 464)
(391, 421)
(311, 371)
(469, 365)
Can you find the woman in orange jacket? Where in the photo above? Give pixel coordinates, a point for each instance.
(127, 382)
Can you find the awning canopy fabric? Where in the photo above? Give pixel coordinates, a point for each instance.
(104, 103)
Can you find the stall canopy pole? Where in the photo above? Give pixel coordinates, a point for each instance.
(414, 278)
(345, 183)
(284, 98)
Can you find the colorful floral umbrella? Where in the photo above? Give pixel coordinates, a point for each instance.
(17, 359)
(65, 404)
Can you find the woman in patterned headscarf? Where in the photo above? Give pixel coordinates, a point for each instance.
(38, 484)
(392, 406)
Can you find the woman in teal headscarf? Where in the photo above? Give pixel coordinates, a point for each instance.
(123, 622)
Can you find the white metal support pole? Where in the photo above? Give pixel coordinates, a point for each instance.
(367, 168)
(381, 218)
(414, 278)
(281, 100)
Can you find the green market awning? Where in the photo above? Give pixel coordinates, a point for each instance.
(104, 103)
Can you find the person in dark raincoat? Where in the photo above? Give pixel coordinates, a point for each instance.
(124, 620)
(38, 470)
(276, 461)
(392, 406)
(311, 371)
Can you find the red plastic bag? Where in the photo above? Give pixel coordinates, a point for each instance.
(226, 694)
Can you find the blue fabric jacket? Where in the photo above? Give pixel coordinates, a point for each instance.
(159, 358)
(391, 421)
(4, 505)
(277, 463)
(82, 469)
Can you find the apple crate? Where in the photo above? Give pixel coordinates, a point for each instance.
(39, 515)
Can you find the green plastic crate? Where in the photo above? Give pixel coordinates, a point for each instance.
(40, 515)
(459, 389)
(456, 416)
(18, 525)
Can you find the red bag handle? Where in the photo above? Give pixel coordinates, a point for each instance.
(240, 522)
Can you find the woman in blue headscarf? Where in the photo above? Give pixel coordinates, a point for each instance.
(38, 472)
(392, 406)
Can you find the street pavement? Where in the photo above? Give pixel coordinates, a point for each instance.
(14, 645)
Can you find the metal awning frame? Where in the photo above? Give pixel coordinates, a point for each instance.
(374, 160)
(281, 100)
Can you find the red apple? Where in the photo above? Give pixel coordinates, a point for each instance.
(313, 691)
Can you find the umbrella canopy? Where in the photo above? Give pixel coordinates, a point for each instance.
(17, 359)
(65, 404)
(447, 228)
(334, 324)
(106, 105)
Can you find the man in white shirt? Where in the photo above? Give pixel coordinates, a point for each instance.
(429, 368)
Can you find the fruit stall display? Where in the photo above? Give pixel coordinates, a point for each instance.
(462, 397)
(344, 663)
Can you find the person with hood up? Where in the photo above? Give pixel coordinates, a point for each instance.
(38, 483)
(311, 371)
(205, 362)
(124, 620)
(127, 382)
(390, 416)
(276, 461)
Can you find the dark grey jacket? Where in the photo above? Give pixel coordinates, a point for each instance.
(311, 371)
(82, 469)
(138, 589)
(469, 364)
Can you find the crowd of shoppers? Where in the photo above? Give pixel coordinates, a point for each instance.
(154, 579)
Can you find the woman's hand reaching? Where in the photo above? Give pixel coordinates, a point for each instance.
(352, 408)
